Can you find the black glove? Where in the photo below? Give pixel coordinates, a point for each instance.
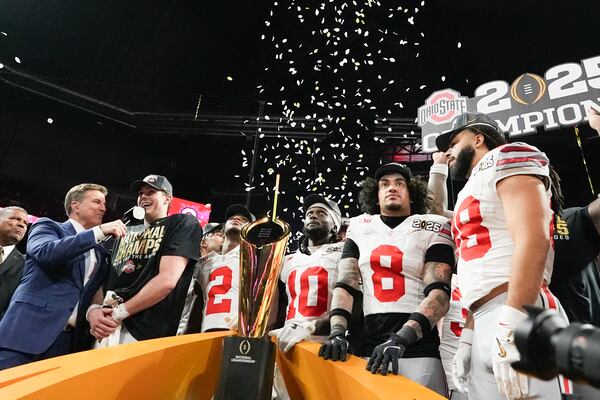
(335, 347)
(389, 351)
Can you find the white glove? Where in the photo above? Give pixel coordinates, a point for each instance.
(511, 384)
(293, 333)
(461, 363)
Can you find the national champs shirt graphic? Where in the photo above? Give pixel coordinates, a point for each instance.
(134, 250)
(309, 281)
(136, 260)
(479, 227)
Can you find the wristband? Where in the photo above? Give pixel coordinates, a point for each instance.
(90, 308)
(120, 312)
(342, 313)
(437, 285)
(441, 169)
(423, 321)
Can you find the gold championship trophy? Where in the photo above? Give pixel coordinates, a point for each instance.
(249, 359)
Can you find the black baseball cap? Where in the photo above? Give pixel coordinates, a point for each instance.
(464, 121)
(393, 167)
(212, 227)
(239, 209)
(158, 182)
(330, 205)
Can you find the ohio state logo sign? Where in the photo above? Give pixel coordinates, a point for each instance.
(442, 107)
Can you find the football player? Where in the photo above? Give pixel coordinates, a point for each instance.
(501, 227)
(219, 274)
(404, 259)
(310, 273)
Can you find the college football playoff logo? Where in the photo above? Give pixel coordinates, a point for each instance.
(442, 107)
(245, 347)
(528, 88)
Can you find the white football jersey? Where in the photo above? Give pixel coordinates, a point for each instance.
(479, 227)
(219, 278)
(309, 281)
(453, 322)
(392, 260)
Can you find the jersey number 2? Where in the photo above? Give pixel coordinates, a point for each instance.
(320, 305)
(225, 305)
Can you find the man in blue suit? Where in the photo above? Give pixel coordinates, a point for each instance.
(63, 264)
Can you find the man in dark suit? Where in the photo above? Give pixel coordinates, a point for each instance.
(63, 264)
(13, 226)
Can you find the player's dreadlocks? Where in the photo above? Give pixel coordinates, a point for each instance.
(557, 201)
(417, 188)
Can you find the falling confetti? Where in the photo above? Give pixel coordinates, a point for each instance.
(325, 86)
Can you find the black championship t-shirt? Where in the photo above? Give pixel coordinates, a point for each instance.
(575, 279)
(136, 260)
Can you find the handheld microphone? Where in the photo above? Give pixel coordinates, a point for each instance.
(134, 214)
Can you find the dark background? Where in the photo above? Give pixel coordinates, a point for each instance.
(141, 87)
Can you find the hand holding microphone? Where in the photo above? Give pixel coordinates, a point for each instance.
(117, 228)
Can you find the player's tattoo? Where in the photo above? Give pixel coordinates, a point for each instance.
(348, 272)
(437, 272)
(436, 305)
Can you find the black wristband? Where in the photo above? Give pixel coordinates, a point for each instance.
(437, 285)
(405, 336)
(341, 312)
(422, 320)
(352, 291)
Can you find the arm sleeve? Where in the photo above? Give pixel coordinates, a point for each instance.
(350, 250)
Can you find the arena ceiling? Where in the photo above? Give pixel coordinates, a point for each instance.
(110, 91)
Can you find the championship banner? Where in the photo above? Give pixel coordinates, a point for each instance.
(530, 102)
(198, 210)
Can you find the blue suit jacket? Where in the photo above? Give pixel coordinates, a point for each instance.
(51, 286)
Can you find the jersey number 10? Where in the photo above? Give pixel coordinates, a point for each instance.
(302, 293)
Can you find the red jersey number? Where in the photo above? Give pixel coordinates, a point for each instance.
(471, 237)
(224, 306)
(319, 306)
(457, 327)
(388, 280)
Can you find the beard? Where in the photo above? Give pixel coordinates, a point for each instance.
(318, 233)
(462, 165)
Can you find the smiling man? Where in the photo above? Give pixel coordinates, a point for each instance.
(13, 226)
(64, 263)
(152, 267)
(403, 258)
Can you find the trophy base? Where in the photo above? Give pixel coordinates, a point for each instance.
(246, 369)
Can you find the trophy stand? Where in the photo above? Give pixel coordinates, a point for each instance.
(249, 358)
